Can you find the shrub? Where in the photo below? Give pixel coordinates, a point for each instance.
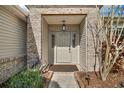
(29, 78)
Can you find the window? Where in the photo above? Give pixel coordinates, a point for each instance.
(119, 30)
(73, 41)
(53, 41)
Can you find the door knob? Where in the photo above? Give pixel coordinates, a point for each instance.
(69, 49)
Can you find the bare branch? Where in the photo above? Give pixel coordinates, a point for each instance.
(120, 33)
(111, 32)
(107, 34)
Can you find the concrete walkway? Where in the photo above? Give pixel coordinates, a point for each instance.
(63, 80)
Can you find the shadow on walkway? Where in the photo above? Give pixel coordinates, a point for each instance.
(54, 84)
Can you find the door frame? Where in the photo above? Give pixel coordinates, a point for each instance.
(55, 51)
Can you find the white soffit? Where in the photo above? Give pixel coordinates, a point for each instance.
(70, 19)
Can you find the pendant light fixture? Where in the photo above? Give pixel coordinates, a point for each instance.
(63, 26)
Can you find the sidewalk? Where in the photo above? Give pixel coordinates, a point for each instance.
(63, 80)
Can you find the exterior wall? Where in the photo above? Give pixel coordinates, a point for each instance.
(10, 66)
(44, 41)
(12, 44)
(91, 19)
(82, 40)
(34, 39)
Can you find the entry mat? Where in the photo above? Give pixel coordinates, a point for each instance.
(63, 68)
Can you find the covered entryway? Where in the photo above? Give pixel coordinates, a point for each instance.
(63, 45)
(47, 19)
(73, 46)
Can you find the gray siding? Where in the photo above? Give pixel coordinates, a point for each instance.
(44, 41)
(12, 35)
(12, 43)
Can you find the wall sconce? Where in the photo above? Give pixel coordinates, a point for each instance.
(63, 26)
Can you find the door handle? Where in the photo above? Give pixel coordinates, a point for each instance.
(69, 49)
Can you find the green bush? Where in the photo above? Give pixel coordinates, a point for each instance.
(29, 78)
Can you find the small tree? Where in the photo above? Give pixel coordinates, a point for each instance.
(109, 42)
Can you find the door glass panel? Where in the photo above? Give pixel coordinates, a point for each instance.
(53, 41)
(62, 47)
(74, 39)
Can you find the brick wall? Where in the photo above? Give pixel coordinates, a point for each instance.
(91, 19)
(11, 66)
(33, 39)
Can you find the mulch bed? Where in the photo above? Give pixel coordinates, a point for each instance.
(114, 80)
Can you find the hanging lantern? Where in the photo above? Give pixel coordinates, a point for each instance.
(63, 26)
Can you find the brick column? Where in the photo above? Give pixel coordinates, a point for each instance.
(34, 39)
(91, 20)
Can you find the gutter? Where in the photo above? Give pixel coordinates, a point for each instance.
(17, 11)
(26, 13)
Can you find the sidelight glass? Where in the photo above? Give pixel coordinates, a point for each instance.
(73, 41)
(53, 41)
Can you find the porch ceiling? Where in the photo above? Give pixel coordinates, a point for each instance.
(70, 19)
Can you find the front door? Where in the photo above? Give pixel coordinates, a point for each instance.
(63, 47)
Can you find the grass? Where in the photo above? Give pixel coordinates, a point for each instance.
(29, 78)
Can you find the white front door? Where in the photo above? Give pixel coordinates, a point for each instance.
(63, 47)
